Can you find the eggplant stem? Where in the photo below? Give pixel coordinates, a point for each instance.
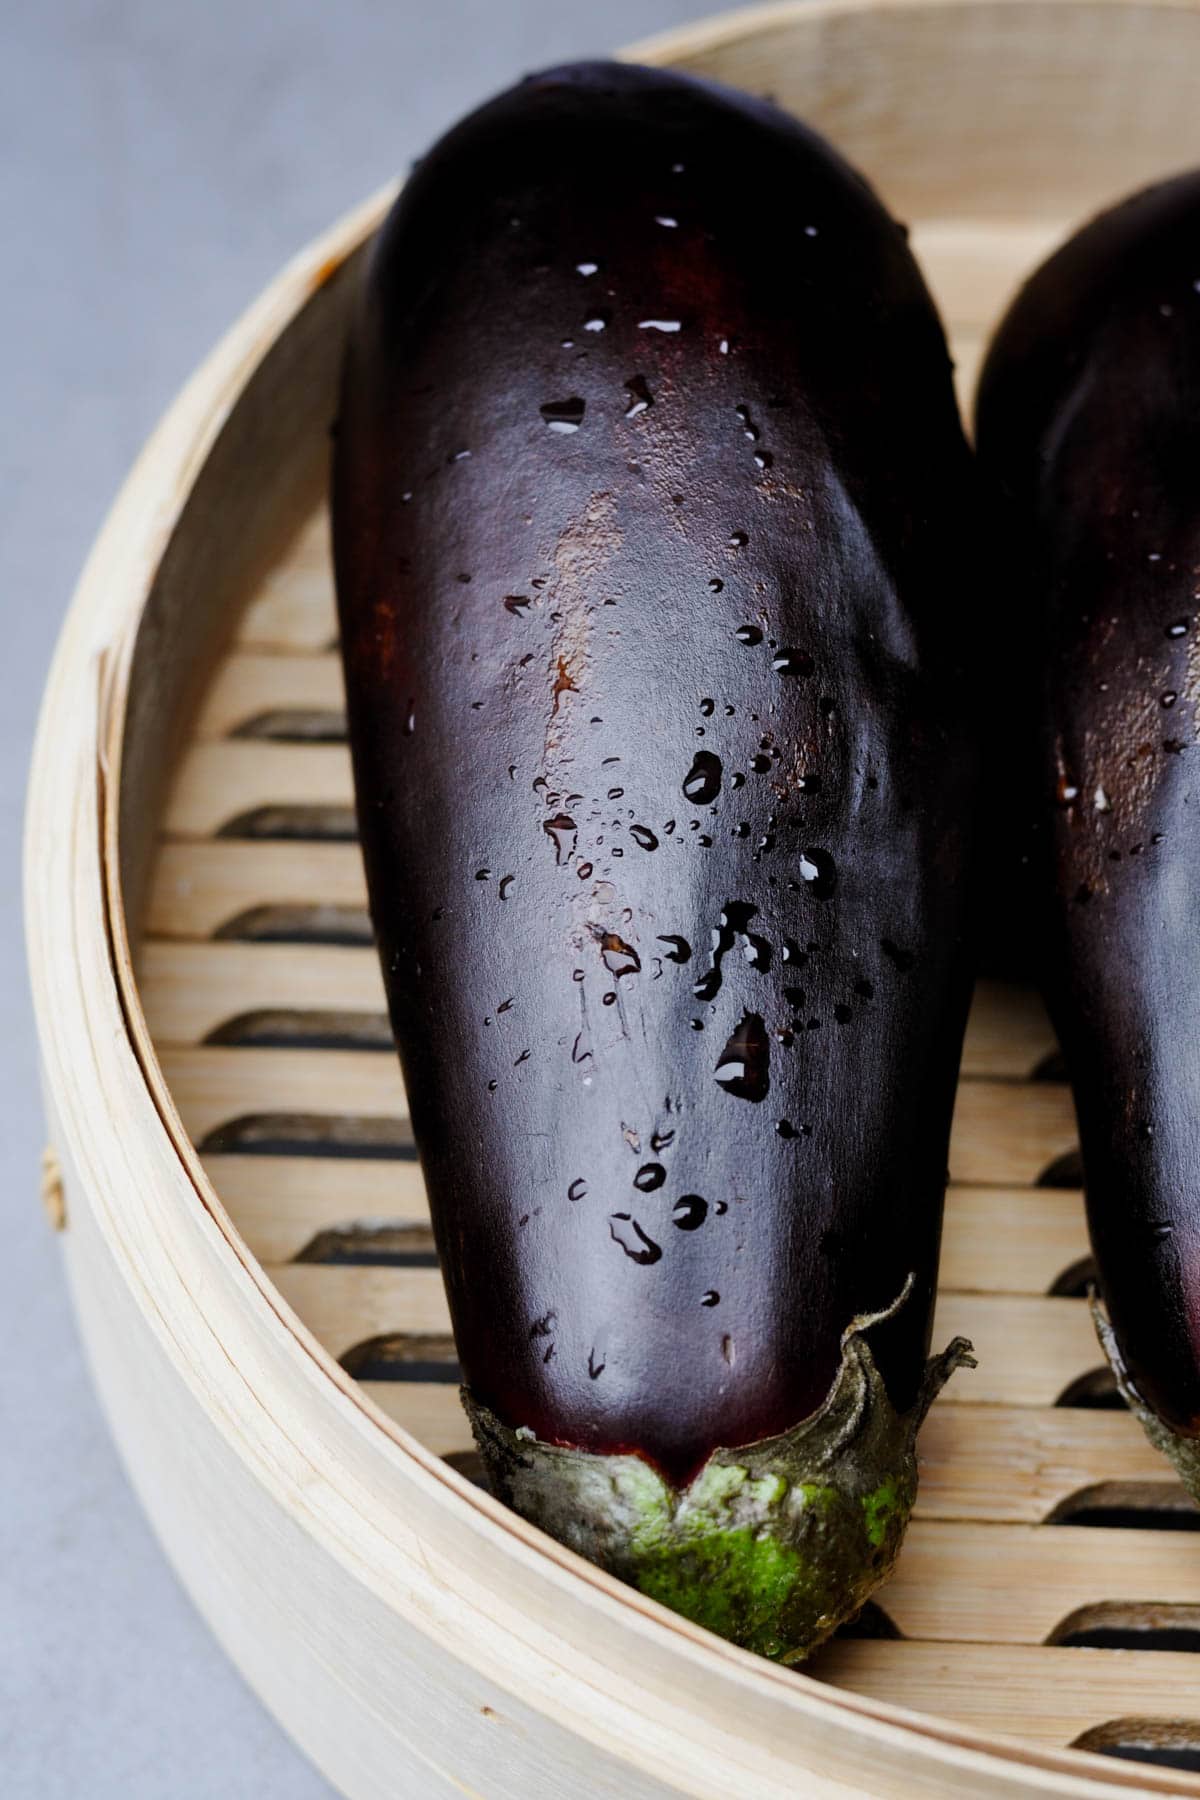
(772, 1545)
(1182, 1452)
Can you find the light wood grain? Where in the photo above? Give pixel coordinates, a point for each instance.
(292, 607)
(1008, 1033)
(247, 683)
(432, 1411)
(217, 782)
(197, 888)
(1041, 1231)
(1029, 1348)
(189, 989)
(1013, 1584)
(1042, 1695)
(1017, 1463)
(344, 1307)
(282, 1202)
(968, 262)
(1009, 1133)
(213, 1085)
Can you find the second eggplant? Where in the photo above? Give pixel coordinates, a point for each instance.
(1089, 433)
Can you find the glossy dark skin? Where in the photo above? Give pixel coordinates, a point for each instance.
(799, 471)
(1089, 430)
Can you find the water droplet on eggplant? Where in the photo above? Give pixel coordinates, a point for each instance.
(562, 832)
(792, 662)
(649, 1177)
(618, 957)
(637, 1245)
(702, 783)
(708, 986)
(743, 1068)
(818, 871)
(564, 415)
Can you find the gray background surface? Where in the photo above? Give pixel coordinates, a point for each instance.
(159, 161)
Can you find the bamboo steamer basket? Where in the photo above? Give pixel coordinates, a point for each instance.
(243, 1221)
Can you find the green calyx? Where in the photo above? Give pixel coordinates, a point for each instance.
(1182, 1452)
(772, 1545)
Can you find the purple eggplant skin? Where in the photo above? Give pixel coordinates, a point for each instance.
(1089, 439)
(651, 507)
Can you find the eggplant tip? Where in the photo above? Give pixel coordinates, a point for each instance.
(773, 1545)
(1182, 1452)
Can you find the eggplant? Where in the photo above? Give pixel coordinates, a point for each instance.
(1088, 434)
(650, 503)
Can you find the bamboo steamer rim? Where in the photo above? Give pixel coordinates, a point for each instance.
(75, 916)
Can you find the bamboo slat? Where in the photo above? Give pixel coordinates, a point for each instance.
(191, 989)
(1014, 1584)
(1042, 1231)
(218, 782)
(282, 1202)
(214, 1085)
(1041, 1694)
(344, 1307)
(196, 888)
(248, 683)
(292, 607)
(1018, 1463)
